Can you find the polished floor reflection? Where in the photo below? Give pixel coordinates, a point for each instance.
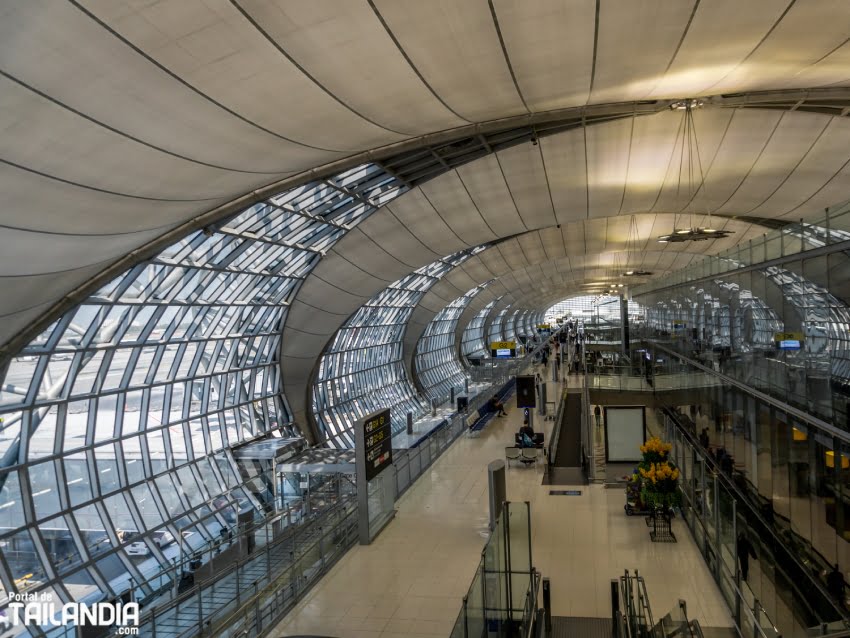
(411, 580)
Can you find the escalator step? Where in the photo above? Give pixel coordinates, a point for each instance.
(573, 627)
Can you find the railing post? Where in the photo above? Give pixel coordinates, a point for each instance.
(756, 617)
(465, 617)
(615, 609)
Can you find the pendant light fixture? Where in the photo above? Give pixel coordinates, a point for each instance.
(684, 228)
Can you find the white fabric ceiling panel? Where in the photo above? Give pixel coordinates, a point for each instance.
(574, 239)
(434, 301)
(394, 237)
(526, 177)
(476, 270)
(607, 166)
(319, 296)
(44, 137)
(637, 41)
(419, 319)
(803, 193)
(456, 283)
(17, 248)
(752, 129)
(834, 191)
(532, 247)
(824, 72)
(444, 34)
(357, 60)
(746, 139)
(550, 46)
(800, 39)
(226, 57)
(57, 48)
(449, 289)
(448, 194)
(42, 290)
(566, 167)
(343, 275)
(417, 214)
(792, 139)
(616, 231)
(485, 181)
(512, 253)
(493, 260)
(369, 256)
(11, 321)
(594, 237)
(649, 160)
(700, 63)
(524, 280)
(297, 374)
(30, 201)
(304, 345)
(552, 241)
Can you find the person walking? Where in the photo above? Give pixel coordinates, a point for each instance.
(745, 550)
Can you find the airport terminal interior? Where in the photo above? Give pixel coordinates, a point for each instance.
(460, 318)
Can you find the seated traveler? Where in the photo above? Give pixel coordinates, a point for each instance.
(497, 406)
(526, 433)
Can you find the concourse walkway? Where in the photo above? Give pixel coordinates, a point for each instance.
(410, 582)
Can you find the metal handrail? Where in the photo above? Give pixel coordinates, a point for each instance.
(150, 613)
(556, 431)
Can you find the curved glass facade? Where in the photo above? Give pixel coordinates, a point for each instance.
(472, 343)
(119, 420)
(497, 327)
(363, 369)
(437, 365)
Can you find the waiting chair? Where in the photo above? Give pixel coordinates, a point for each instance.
(528, 455)
(512, 454)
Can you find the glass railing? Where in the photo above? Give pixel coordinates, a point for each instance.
(771, 475)
(714, 511)
(257, 590)
(503, 596)
(793, 239)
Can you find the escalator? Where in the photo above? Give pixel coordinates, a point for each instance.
(632, 615)
(565, 457)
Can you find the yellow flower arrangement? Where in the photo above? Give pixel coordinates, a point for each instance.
(656, 446)
(659, 472)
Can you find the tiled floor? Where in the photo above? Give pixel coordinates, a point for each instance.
(411, 580)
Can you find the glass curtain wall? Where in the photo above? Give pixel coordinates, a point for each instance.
(497, 328)
(363, 369)
(510, 326)
(592, 309)
(119, 419)
(438, 367)
(789, 481)
(521, 324)
(778, 329)
(472, 343)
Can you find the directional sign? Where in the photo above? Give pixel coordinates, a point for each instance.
(376, 442)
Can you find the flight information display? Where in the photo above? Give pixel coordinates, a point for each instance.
(376, 442)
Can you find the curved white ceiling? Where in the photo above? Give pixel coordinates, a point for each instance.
(121, 120)
(606, 186)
